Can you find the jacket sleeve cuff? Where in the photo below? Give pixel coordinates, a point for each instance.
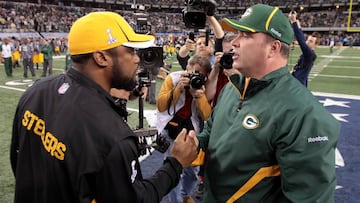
(175, 164)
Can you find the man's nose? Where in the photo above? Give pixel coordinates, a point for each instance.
(137, 58)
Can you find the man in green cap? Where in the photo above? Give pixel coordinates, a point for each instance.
(268, 138)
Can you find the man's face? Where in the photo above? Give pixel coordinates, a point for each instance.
(125, 64)
(311, 42)
(201, 47)
(249, 51)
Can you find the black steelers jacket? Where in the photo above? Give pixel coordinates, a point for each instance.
(69, 144)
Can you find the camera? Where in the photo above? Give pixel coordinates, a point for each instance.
(142, 25)
(197, 80)
(194, 15)
(151, 59)
(226, 60)
(149, 138)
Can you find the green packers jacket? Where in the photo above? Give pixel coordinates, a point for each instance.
(269, 140)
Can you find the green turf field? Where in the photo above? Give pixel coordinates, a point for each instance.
(338, 72)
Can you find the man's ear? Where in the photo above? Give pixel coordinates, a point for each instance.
(102, 58)
(275, 47)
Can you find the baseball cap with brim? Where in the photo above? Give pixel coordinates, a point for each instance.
(262, 18)
(104, 30)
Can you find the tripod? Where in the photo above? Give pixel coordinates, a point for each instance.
(160, 143)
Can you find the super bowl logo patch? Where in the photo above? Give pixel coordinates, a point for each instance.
(63, 88)
(250, 122)
(111, 39)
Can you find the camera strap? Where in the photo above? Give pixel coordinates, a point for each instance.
(171, 100)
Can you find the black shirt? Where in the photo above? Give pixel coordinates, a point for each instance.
(69, 144)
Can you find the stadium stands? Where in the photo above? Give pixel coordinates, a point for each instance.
(56, 17)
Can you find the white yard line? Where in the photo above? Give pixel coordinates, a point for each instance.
(323, 64)
(335, 76)
(347, 67)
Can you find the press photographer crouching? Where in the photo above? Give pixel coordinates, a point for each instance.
(182, 104)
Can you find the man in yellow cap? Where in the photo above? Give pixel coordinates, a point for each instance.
(268, 138)
(69, 141)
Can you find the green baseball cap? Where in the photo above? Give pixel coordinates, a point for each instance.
(262, 18)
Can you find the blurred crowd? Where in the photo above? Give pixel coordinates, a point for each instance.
(22, 17)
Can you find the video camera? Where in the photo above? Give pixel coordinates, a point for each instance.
(195, 11)
(142, 24)
(151, 59)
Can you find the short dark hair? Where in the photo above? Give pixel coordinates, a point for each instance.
(285, 48)
(82, 58)
(229, 37)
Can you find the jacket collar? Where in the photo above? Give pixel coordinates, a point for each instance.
(84, 81)
(251, 87)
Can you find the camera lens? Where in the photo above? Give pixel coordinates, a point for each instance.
(151, 59)
(226, 60)
(197, 80)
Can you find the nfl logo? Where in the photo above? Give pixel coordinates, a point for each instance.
(64, 87)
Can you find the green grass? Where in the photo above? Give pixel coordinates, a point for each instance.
(327, 76)
(344, 71)
(339, 71)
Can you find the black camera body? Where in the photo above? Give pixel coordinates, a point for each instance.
(151, 59)
(142, 25)
(149, 138)
(194, 15)
(226, 60)
(197, 80)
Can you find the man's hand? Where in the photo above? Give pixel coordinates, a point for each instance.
(183, 81)
(185, 147)
(197, 93)
(190, 45)
(292, 16)
(218, 56)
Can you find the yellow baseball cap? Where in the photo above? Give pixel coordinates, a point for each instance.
(104, 30)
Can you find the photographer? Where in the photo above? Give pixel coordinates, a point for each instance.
(182, 104)
(86, 152)
(199, 45)
(221, 70)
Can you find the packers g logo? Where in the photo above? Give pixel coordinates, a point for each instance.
(250, 122)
